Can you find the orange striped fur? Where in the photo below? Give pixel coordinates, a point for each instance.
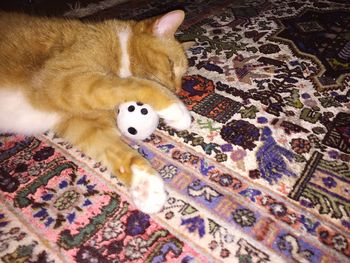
(73, 70)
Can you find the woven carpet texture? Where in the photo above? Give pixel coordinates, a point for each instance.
(263, 174)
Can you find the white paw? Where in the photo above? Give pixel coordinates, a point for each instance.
(176, 116)
(147, 191)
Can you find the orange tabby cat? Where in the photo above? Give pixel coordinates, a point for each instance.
(70, 76)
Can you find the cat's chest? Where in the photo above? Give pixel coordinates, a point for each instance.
(17, 115)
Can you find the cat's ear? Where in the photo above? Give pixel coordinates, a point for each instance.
(166, 25)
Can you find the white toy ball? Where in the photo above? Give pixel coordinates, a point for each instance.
(136, 120)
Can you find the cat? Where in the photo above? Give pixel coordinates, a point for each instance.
(69, 76)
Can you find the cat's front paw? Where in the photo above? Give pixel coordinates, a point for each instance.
(176, 116)
(147, 191)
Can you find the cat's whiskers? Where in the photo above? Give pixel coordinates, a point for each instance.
(152, 76)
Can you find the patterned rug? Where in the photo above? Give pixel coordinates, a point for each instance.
(263, 175)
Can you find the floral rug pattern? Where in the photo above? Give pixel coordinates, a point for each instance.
(82, 217)
(263, 174)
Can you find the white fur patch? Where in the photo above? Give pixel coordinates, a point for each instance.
(178, 71)
(18, 116)
(124, 70)
(147, 191)
(176, 116)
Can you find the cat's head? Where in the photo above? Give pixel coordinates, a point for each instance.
(155, 53)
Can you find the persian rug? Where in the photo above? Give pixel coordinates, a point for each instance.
(263, 174)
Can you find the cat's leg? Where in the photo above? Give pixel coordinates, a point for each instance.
(98, 137)
(85, 92)
(166, 103)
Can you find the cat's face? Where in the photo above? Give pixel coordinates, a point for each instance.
(156, 55)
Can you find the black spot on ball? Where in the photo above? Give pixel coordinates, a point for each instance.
(144, 111)
(132, 130)
(131, 108)
(139, 103)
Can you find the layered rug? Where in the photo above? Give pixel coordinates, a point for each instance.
(263, 175)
